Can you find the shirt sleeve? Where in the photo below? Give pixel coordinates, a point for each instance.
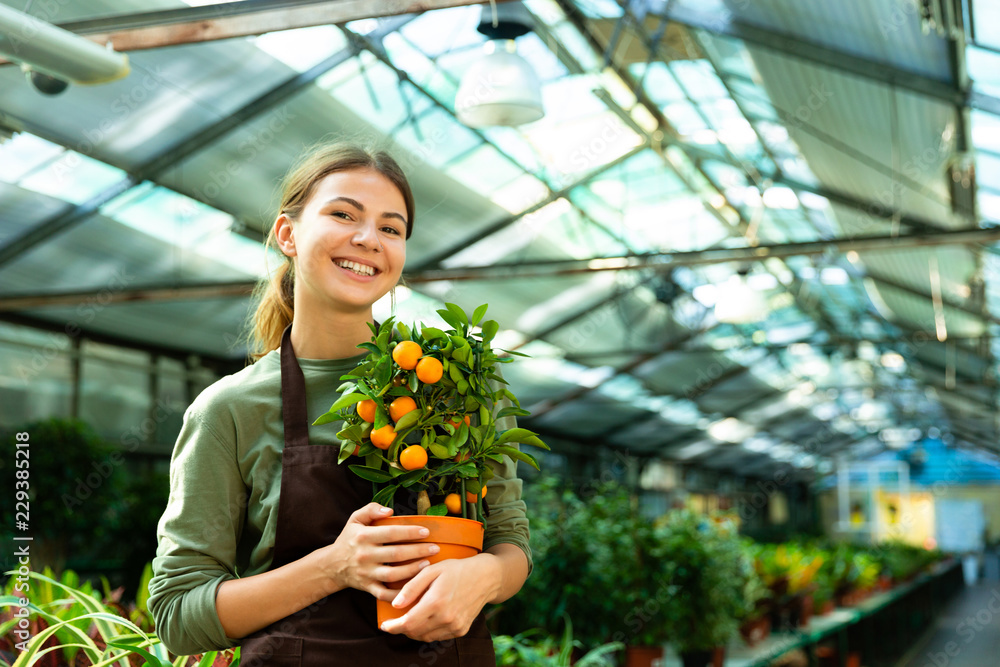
(508, 519)
(197, 538)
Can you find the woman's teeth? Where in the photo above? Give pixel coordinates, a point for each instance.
(362, 269)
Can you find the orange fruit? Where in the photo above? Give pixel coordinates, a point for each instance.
(357, 450)
(453, 503)
(400, 407)
(413, 457)
(457, 424)
(460, 457)
(366, 410)
(406, 354)
(383, 437)
(471, 497)
(429, 370)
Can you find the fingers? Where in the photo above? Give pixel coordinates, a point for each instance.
(415, 588)
(369, 513)
(397, 553)
(390, 573)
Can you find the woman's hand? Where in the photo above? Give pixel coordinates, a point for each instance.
(362, 557)
(451, 594)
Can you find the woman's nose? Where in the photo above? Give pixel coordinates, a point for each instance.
(367, 236)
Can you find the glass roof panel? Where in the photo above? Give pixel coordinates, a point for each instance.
(302, 48)
(374, 93)
(699, 79)
(986, 19)
(441, 138)
(24, 153)
(988, 169)
(660, 86)
(986, 131)
(73, 177)
(167, 215)
(444, 30)
(483, 169)
(984, 69)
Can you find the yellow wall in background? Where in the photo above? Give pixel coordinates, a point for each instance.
(923, 521)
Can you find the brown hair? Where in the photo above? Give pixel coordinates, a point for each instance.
(274, 293)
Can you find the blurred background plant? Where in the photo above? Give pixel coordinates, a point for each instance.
(98, 513)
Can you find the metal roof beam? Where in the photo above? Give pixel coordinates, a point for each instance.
(187, 25)
(834, 59)
(148, 293)
(669, 260)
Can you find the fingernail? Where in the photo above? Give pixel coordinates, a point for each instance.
(385, 510)
(434, 549)
(424, 532)
(400, 601)
(424, 564)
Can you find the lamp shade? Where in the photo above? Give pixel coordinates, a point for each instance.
(738, 303)
(499, 89)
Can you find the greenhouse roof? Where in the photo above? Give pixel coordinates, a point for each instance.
(846, 155)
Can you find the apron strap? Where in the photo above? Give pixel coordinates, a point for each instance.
(293, 395)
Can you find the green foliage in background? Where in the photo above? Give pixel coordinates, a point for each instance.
(86, 506)
(68, 617)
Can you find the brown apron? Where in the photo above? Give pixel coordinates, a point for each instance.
(317, 498)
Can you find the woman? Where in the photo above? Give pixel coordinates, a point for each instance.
(266, 541)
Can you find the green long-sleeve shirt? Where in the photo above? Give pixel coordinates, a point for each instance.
(225, 479)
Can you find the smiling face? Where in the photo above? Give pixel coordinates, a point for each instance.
(349, 243)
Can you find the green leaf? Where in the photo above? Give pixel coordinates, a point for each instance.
(411, 477)
(513, 399)
(346, 451)
(515, 435)
(484, 415)
(467, 470)
(449, 317)
(412, 382)
(513, 412)
(458, 312)
(326, 418)
(371, 474)
(455, 373)
(404, 331)
(430, 333)
(490, 329)
(149, 657)
(371, 347)
(516, 354)
(439, 451)
(438, 510)
(535, 441)
(518, 455)
(459, 438)
(408, 420)
(385, 496)
(463, 387)
(381, 417)
(478, 315)
(345, 401)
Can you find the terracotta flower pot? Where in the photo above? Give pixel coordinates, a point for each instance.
(457, 537)
(643, 656)
(756, 630)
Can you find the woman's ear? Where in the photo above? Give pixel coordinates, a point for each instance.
(284, 234)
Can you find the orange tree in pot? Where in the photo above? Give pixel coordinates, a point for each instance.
(421, 412)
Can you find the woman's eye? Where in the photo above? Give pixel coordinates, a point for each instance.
(341, 214)
(391, 230)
